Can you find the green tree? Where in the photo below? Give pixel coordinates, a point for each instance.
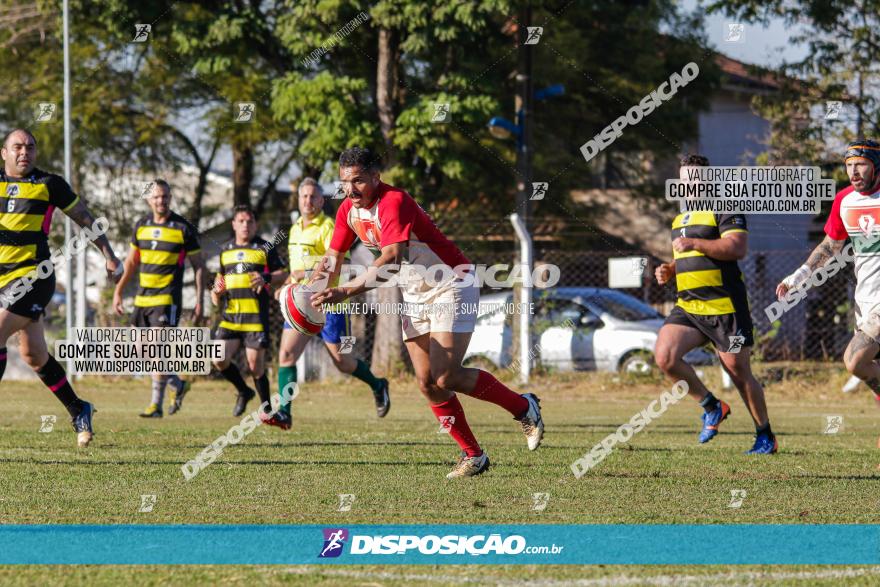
(840, 65)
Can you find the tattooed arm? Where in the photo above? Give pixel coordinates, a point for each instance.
(822, 253)
(827, 249)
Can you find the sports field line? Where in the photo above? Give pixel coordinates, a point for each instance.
(744, 578)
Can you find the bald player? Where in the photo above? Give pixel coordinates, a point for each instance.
(28, 198)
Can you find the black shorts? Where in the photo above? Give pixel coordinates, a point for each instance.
(252, 340)
(32, 304)
(156, 316)
(726, 331)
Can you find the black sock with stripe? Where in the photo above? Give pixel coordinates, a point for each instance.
(53, 376)
(2, 362)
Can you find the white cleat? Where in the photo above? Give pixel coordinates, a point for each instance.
(469, 466)
(851, 385)
(532, 423)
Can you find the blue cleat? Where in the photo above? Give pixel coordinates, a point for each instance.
(765, 444)
(712, 419)
(82, 424)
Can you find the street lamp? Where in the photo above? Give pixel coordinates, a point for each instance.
(501, 128)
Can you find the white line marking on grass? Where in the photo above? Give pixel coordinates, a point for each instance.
(745, 578)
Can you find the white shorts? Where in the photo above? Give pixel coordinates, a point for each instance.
(453, 309)
(868, 320)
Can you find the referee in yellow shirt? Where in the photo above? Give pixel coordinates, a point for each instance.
(309, 239)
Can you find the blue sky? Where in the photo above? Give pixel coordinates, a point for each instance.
(767, 46)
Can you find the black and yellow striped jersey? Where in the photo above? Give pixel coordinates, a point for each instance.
(162, 247)
(243, 309)
(26, 207)
(708, 286)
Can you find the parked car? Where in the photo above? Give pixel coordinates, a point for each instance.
(574, 329)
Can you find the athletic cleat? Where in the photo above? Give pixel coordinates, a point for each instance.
(176, 397)
(469, 466)
(532, 423)
(765, 444)
(153, 411)
(82, 424)
(383, 399)
(278, 419)
(241, 403)
(712, 419)
(852, 384)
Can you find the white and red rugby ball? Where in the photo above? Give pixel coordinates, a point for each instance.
(296, 307)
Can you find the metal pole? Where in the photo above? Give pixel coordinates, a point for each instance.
(522, 219)
(68, 228)
(525, 296)
(524, 100)
(81, 272)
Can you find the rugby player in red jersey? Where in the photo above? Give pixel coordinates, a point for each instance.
(406, 242)
(855, 215)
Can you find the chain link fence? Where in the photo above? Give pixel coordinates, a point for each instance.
(818, 328)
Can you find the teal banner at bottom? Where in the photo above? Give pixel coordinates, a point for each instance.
(831, 544)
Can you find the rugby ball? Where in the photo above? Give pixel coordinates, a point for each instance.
(296, 307)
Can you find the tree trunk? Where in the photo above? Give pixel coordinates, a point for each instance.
(242, 174)
(387, 338)
(386, 89)
(195, 214)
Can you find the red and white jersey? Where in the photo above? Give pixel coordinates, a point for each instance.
(395, 217)
(857, 216)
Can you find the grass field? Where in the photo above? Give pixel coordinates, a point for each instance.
(396, 467)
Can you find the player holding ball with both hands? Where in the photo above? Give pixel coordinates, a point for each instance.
(401, 235)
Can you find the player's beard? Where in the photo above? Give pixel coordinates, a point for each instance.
(868, 186)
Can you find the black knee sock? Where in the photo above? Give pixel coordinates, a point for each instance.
(709, 403)
(52, 375)
(262, 383)
(2, 362)
(233, 376)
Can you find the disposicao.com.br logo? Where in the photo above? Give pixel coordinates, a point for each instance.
(476, 545)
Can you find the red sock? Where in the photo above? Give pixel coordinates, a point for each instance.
(490, 389)
(451, 415)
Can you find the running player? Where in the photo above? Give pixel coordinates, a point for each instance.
(712, 307)
(309, 239)
(855, 214)
(249, 265)
(159, 244)
(28, 197)
(407, 243)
